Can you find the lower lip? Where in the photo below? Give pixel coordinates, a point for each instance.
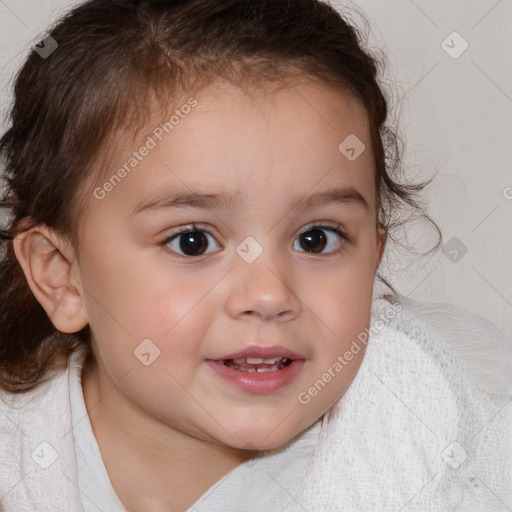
(254, 382)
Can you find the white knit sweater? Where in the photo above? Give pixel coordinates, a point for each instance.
(426, 425)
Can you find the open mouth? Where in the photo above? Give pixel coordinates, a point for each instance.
(258, 364)
(258, 373)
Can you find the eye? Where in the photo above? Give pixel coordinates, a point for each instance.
(317, 237)
(191, 240)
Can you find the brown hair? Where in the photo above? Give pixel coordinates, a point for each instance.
(114, 57)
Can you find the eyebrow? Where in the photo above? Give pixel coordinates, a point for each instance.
(344, 195)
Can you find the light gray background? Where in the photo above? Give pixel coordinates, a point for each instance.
(455, 117)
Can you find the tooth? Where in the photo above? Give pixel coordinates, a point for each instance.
(239, 361)
(261, 370)
(254, 360)
(271, 360)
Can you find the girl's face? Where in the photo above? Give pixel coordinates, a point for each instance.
(262, 274)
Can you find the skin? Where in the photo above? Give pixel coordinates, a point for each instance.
(174, 428)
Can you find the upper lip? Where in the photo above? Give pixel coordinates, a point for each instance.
(262, 352)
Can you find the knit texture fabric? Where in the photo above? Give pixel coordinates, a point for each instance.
(425, 425)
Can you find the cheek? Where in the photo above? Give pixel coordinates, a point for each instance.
(343, 298)
(175, 312)
(175, 302)
(342, 304)
(145, 298)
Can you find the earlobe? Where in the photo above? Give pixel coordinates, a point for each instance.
(47, 261)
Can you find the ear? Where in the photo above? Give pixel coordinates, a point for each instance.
(48, 260)
(382, 237)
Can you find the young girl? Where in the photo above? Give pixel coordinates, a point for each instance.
(200, 194)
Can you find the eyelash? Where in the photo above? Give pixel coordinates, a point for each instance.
(334, 228)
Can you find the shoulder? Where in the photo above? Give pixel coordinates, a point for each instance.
(24, 417)
(35, 445)
(422, 406)
(42, 409)
(464, 344)
(431, 397)
(36, 398)
(444, 365)
(52, 390)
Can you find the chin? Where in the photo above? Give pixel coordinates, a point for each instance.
(260, 440)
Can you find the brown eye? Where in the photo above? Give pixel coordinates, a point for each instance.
(313, 240)
(317, 238)
(191, 243)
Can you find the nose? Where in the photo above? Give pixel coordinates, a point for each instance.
(262, 290)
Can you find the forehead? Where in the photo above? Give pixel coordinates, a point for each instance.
(260, 144)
